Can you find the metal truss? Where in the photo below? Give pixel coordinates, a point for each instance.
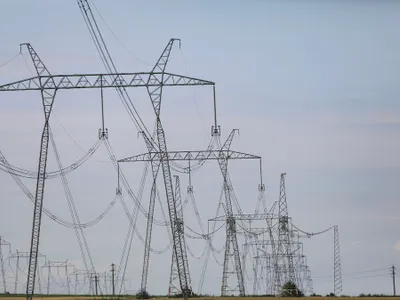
(267, 268)
(65, 265)
(155, 167)
(222, 156)
(190, 155)
(309, 281)
(174, 288)
(3, 273)
(79, 273)
(231, 243)
(276, 266)
(155, 94)
(263, 273)
(245, 217)
(337, 270)
(48, 94)
(118, 80)
(49, 84)
(284, 240)
(17, 256)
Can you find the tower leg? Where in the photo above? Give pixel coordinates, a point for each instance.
(48, 95)
(3, 273)
(155, 165)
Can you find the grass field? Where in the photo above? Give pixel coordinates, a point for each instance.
(205, 298)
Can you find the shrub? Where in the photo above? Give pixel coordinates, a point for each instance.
(289, 289)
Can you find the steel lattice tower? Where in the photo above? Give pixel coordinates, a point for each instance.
(3, 273)
(173, 284)
(48, 92)
(48, 84)
(155, 93)
(286, 270)
(222, 156)
(66, 266)
(231, 243)
(337, 271)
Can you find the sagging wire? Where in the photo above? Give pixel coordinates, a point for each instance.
(228, 180)
(106, 58)
(128, 188)
(196, 211)
(72, 138)
(52, 174)
(47, 212)
(115, 36)
(108, 62)
(211, 250)
(138, 234)
(10, 60)
(205, 236)
(165, 219)
(193, 95)
(132, 225)
(193, 237)
(195, 256)
(83, 245)
(241, 223)
(260, 202)
(26, 64)
(310, 234)
(232, 191)
(20, 172)
(193, 168)
(244, 256)
(249, 232)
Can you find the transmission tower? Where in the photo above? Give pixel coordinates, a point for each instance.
(231, 243)
(286, 270)
(155, 93)
(18, 256)
(265, 265)
(309, 281)
(154, 85)
(173, 284)
(337, 270)
(63, 265)
(221, 156)
(3, 272)
(94, 279)
(77, 274)
(48, 93)
(48, 84)
(270, 265)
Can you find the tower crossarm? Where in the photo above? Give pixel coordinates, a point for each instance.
(259, 243)
(116, 80)
(191, 155)
(244, 217)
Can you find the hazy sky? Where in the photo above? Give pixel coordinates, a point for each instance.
(312, 86)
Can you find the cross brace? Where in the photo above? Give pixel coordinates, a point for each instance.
(191, 155)
(246, 217)
(82, 81)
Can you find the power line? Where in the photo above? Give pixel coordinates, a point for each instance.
(352, 273)
(393, 274)
(116, 37)
(9, 61)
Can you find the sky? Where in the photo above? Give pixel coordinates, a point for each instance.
(312, 86)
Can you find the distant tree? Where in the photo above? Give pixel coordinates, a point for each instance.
(289, 289)
(142, 295)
